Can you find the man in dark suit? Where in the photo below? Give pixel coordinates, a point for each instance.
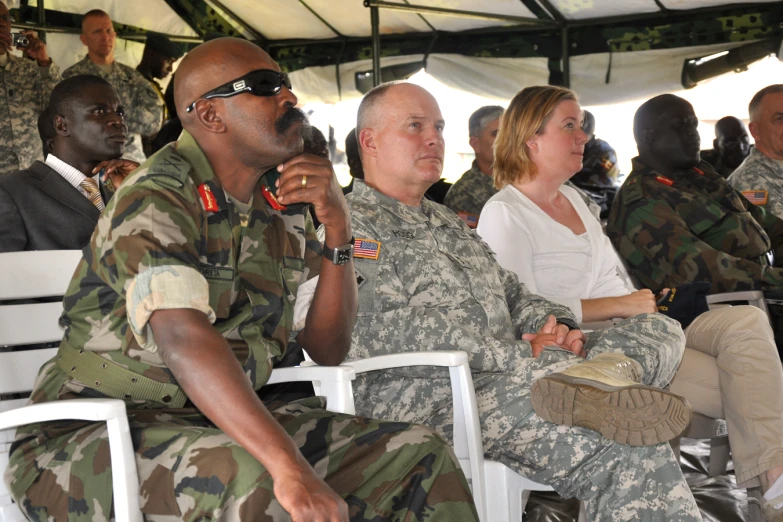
(55, 205)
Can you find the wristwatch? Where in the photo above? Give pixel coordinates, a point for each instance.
(339, 255)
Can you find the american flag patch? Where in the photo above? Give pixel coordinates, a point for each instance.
(470, 220)
(366, 248)
(757, 197)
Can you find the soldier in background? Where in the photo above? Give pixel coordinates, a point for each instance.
(760, 177)
(729, 148)
(599, 163)
(469, 194)
(185, 322)
(27, 85)
(157, 62)
(676, 220)
(144, 114)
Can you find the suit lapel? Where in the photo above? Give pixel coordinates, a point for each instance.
(53, 184)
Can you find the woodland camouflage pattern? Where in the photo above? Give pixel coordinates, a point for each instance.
(435, 286)
(470, 192)
(759, 172)
(156, 244)
(697, 229)
(24, 94)
(143, 107)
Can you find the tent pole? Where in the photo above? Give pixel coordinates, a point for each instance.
(41, 13)
(566, 58)
(376, 46)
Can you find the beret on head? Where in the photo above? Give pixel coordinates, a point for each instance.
(161, 44)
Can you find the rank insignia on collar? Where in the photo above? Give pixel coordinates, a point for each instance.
(698, 171)
(207, 198)
(271, 199)
(663, 179)
(366, 248)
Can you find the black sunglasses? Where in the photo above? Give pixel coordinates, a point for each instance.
(261, 82)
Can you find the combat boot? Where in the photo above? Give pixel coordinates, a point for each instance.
(605, 394)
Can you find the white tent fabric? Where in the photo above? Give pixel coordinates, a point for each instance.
(633, 75)
(152, 15)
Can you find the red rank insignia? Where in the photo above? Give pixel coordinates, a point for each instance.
(271, 199)
(208, 198)
(666, 181)
(699, 172)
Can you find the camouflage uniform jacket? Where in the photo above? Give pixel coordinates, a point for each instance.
(693, 226)
(143, 107)
(434, 286)
(471, 192)
(760, 179)
(24, 93)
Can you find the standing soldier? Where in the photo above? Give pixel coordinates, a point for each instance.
(144, 108)
(25, 89)
(157, 62)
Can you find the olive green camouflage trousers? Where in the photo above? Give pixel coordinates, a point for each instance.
(190, 470)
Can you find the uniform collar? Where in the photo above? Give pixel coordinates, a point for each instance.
(427, 212)
(758, 156)
(703, 169)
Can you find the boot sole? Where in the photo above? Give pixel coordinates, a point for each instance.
(636, 415)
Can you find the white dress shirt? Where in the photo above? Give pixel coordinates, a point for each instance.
(70, 174)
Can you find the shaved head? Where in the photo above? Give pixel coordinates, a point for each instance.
(212, 64)
(258, 131)
(666, 132)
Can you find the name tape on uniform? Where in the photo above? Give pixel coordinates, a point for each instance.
(366, 248)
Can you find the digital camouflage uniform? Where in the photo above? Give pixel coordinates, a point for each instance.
(143, 107)
(24, 93)
(760, 179)
(435, 286)
(155, 247)
(693, 226)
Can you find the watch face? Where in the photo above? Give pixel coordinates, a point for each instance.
(343, 255)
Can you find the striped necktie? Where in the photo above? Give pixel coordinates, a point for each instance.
(91, 187)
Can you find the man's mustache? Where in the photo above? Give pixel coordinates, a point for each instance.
(291, 116)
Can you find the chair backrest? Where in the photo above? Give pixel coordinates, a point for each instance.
(24, 276)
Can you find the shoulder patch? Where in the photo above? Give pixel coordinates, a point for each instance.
(471, 220)
(757, 197)
(168, 166)
(366, 248)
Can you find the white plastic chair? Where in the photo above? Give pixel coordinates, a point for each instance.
(26, 275)
(500, 493)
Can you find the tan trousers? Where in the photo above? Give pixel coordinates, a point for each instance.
(731, 370)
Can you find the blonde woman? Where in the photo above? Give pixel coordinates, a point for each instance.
(544, 232)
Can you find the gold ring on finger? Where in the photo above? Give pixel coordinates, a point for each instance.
(304, 181)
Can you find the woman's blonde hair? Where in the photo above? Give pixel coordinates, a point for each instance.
(527, 114)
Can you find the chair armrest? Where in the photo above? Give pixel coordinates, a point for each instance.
(95, 410)
(597, 325)
(466, 428)
(332, 382)
(451, 359)
(753, 297)
(125, 479)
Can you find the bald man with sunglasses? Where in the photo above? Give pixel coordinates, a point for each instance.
(184, 302)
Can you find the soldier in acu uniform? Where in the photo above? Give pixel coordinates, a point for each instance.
(760, 177)
(181, 305)
(427, 283)
(144, 109)
(25, 87)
